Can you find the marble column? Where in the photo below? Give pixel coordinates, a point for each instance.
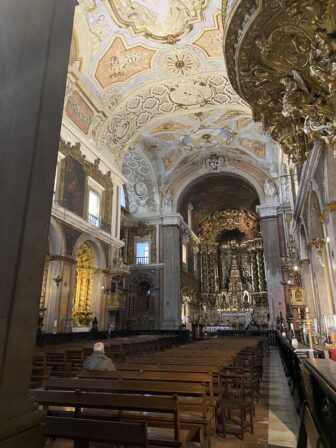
(171, 306)
(34, 51)
(273, 270)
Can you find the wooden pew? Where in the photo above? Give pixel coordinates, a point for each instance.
(152, 376)
(158, 412)
(195, 406)
(84, 431)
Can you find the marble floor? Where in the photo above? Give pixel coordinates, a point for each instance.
(276, 422)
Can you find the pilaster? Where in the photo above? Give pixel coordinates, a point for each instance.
(273, 271)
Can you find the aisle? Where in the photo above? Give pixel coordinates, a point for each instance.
(283, 420)
(276, 423)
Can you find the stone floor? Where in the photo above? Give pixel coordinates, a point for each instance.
(276, 422)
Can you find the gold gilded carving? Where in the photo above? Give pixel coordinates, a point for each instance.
(281, 58)
(165, 22)
(322, 60)
(297, 296)
(84, 279)
(92, 170)
(318, 243)
(116, 301)
(229, 219)
(315, 110)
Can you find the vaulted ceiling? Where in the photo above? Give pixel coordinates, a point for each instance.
(149, 76)
(217, 192)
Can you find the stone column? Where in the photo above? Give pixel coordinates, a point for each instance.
(273, 271)
(171, 306)
(34, 51)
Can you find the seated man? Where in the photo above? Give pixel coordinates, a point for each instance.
(98, 360)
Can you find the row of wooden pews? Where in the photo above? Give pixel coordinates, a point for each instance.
(185, 393)
(66, 360)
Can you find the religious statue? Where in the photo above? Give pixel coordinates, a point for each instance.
(270, 188)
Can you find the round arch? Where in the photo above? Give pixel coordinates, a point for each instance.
(56, 239)
(96, 247)
(195, 177)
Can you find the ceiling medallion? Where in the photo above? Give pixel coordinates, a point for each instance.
(179, 61)
(191, 93)
(180, 65)
(165, 22)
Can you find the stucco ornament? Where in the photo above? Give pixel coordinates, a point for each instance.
(270, 188)
(140, 186)
(120, 130)
(166, 21)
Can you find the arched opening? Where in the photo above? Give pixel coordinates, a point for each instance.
(141, 305)
(233, 288)
(82, 306)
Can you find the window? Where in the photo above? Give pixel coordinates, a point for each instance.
(122, 197)
(142, 253)
(184, 254)
(94, 207)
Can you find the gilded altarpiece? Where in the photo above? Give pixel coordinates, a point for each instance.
(82, 307)
(231, 264)
(73, 179)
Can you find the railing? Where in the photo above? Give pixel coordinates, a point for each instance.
(319, 378)
(142, 260)
(94, 220)
(269, 334)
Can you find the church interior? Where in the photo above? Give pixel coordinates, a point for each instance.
(167, 187)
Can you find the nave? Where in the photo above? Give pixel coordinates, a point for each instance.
(168, 168)
(275, 420)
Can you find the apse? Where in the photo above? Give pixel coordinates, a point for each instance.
(221, 210)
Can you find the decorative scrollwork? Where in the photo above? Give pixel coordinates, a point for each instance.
(282, 61)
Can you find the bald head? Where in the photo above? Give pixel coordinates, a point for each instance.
(99, 347)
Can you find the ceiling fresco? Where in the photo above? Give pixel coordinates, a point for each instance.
(147, 83)
(172, 145)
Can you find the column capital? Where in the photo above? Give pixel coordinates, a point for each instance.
(268, 210)
(173, 219)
